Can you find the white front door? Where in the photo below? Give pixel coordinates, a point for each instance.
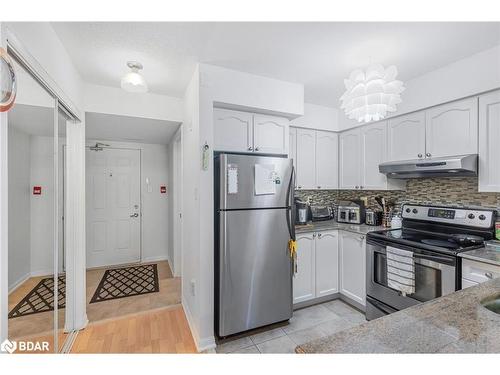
(113, 207)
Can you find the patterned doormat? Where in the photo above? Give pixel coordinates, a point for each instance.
(127, 282)
(41, 298)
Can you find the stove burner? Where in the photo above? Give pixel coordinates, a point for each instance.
(440, 243)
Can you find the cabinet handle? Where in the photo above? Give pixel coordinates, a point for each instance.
(319, 187)
(489, 275)
(314, 235)
(300, 187)
(250, 148)
(420, 156)
(256, 149)
(319, 235)
(428, 155)
(361, 187)
(357, 187)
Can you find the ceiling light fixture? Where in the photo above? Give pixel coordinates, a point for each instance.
(372, 93)
(133, 81)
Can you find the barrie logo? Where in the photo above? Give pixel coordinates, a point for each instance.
(8, 346)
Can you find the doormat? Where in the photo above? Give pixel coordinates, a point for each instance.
(41, 298)
(127, 282)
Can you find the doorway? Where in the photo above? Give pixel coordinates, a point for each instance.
(113, 202)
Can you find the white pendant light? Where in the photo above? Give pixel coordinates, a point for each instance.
(371, 94)
(133, 81)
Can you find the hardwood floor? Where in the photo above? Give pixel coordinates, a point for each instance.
(161, 331)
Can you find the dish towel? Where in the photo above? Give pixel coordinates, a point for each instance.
(400, 270)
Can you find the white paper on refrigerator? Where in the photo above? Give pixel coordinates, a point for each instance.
(265, 179)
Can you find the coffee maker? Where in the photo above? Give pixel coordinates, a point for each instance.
(302, 212)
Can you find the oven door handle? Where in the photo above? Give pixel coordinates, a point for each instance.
(380, 306)
(435, 258)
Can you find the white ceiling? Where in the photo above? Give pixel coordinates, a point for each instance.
(108, 127)
(319, 55)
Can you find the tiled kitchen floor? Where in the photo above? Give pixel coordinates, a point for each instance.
(306, 324)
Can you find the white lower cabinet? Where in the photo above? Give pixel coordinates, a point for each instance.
(352, 259)
(316, 267)
(327, 263)
(474, 272)
(304, 280)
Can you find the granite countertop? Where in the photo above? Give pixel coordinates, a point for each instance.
(486, 254)
(455, 323)
(318, 226)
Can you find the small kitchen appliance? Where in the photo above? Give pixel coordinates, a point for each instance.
(352, 212)
(429, 241)
(321, 213)
(373, 217)
(303, 212)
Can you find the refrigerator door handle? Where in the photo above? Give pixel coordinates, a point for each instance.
(290, 216)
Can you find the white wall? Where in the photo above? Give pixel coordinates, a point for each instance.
(112, 100)
(19, 207)
(213, 85)
(155, 206)
(472, 75)
(42, 206)
(318, 117)
(43, 44)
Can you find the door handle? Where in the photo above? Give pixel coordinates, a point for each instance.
(135, 215)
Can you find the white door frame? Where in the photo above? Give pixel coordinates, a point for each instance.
(177, 202)
(87, 147)
(10, 42)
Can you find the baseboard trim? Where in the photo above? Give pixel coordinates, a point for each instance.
(316, 301)
(155, 259)
(202, 344)
(42, 273)
(19, 282)
(353, 303)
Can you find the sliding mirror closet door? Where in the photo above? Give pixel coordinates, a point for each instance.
(33, 238)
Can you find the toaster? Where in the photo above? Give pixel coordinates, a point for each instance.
(320, 213)
(373, 217)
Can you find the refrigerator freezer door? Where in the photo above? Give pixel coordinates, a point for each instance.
(255, 270)
(237, 182)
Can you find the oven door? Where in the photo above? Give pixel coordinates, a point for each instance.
(435, 275)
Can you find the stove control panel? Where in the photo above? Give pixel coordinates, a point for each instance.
(457, 216)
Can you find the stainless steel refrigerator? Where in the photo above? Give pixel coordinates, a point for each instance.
(254, 222)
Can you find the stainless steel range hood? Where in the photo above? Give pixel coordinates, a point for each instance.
(451, 166)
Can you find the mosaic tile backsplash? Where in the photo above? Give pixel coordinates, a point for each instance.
(452, 191)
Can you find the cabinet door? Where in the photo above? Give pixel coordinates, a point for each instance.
(451, 129)
(270, 134)
(406, 137)
(304, 278)
(489, 141)
(353, 266)
(349, 159)
(327, 263)
(373, 152)
(326, 160)
(306, 159)
(232, 130)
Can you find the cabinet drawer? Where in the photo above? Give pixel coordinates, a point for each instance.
(479, 272)
(467, 283)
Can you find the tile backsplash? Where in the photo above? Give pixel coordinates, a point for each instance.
(450, 191)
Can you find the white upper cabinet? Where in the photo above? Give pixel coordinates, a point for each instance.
(452, 129)
(304, 279)
(247, 132)
(270, 134)
(306, 162)
(326, 160)
(292, 149)
(349, 159)
(327, 263)
(373, 152)
(406, 137)
(489, 141)
(233, 130)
